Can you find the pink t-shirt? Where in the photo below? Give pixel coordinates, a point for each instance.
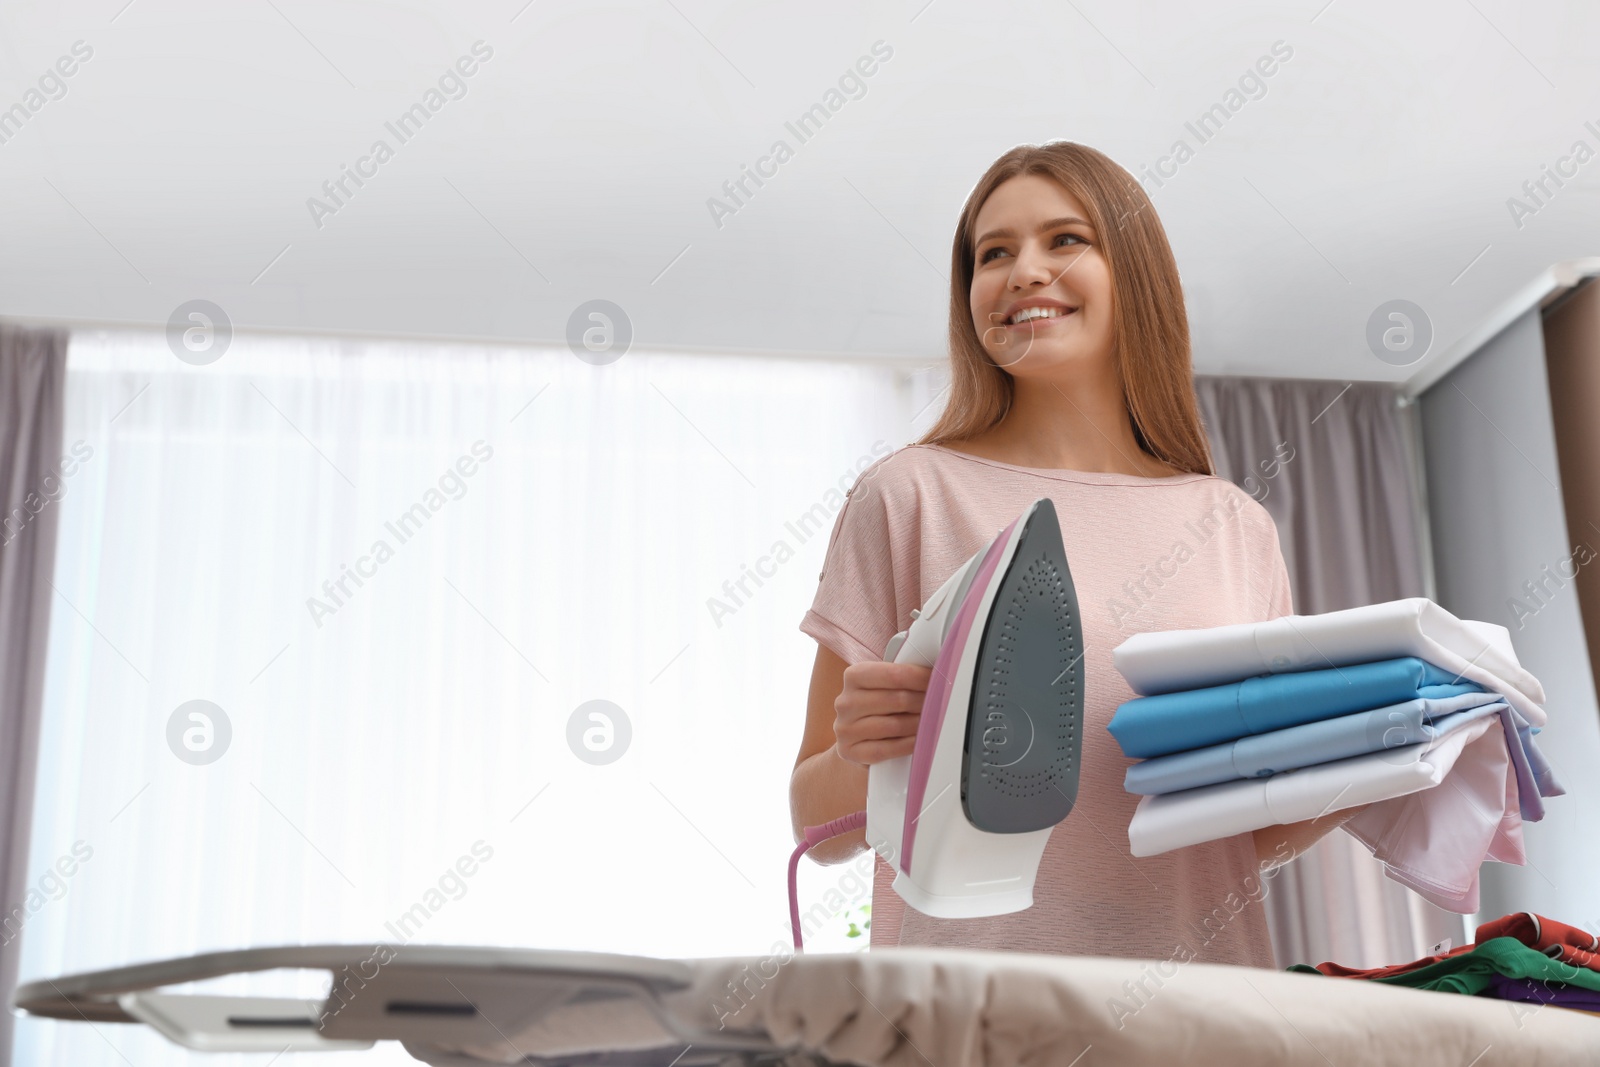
(1145, 554)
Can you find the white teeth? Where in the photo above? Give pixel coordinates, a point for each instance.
(1027, 314)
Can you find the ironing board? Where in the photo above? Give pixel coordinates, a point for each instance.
(886, 1008)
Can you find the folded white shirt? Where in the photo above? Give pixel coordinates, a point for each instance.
(1174, 820)
(1480, 652)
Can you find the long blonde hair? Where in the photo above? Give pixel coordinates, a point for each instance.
(1150, 327)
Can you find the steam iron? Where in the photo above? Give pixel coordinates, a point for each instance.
(964, 819)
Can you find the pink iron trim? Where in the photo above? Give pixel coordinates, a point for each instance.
(937, 699)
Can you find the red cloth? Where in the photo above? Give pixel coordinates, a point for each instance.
(1570, 944)
(1337, 970)
(1576, 945)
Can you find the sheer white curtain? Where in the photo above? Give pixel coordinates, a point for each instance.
(398, 569)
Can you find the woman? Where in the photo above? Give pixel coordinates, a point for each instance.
(1088, 399)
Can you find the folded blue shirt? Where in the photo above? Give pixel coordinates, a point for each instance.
(1173, 722)
(1260, 755)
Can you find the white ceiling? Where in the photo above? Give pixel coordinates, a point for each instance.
(1377, 165)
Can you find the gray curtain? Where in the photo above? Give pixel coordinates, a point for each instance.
(32, 384)
(1334, 464)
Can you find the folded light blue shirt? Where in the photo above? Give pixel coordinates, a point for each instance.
(1194, 718)
(1261, 755)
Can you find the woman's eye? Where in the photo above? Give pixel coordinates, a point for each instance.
(989, 253)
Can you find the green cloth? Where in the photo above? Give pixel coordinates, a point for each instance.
(1468, 972)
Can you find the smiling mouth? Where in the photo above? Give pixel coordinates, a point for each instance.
(1052, 315)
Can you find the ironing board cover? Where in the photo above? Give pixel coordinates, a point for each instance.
(892, 1007)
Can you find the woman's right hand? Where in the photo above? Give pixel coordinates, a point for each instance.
(877, 712)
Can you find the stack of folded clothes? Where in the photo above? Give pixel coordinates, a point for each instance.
(1522, 957)
(1251, 725)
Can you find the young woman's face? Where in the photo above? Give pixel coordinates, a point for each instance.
(1035, 247)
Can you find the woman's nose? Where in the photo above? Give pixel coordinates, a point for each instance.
(1031, 267)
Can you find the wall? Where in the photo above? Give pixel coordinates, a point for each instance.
(1498, 521)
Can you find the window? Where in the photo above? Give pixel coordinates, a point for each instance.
(398, 570)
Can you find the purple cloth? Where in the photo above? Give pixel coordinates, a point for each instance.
(1535, 991)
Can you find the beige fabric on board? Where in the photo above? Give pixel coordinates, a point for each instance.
(909, 1007)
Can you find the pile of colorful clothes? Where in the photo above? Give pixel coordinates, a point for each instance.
(1251, 725)
(1523, 957)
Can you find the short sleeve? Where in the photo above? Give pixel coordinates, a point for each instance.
(1269, 591)
(1281, 601)
(855, 612)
